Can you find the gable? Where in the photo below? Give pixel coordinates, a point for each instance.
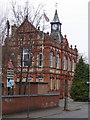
(26, 27)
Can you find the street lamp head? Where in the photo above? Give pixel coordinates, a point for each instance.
(88, 82)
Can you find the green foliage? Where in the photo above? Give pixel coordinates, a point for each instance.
(79, 90)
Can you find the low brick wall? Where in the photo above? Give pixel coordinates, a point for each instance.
(19, 103)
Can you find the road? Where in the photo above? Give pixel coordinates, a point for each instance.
(81, 112)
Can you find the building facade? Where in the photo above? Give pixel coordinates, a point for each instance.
(31, 55)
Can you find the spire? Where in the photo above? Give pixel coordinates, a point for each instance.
(8, 27)
(56, 18)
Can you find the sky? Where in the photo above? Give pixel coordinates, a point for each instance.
(73, 15)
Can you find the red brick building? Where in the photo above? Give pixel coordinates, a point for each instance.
(30, 55)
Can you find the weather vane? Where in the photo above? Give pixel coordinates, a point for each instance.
(55, 5)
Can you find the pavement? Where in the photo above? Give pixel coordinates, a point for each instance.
(38, 114)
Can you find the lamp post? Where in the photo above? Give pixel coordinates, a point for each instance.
(28, 98)
(89, 90)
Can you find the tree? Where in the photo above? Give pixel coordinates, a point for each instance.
(20, 12)
(79, 90)
(3, 27)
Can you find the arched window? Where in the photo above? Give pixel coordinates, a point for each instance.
(64, 63)
(57, 61)
(73, 65)
(51, 59)
(69, 64)
(40, 59)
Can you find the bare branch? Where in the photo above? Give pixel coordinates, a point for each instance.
(20, 13)
(37, 13)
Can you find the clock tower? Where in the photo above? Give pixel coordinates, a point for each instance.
(56, 27)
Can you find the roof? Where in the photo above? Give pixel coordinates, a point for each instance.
(56, 18)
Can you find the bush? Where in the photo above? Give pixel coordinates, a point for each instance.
(79, 90)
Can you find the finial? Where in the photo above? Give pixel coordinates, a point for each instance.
(38, 27)
(65, 36)
(75, 46)
(71, 46)
(27, 17)
(8, 27)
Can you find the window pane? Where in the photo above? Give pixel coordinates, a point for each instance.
(72, 65)
(64, 63)
(57, 84)
(26, 57)
(25, 50)
(57, 61)
(51, 59)
(69, 64)
(52, 83)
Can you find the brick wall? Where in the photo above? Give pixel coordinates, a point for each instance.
(19, 103)
(32, 88)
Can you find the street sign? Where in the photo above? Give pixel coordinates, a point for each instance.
(10, 83)
(10, 78)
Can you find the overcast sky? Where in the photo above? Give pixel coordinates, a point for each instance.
(73, 15)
